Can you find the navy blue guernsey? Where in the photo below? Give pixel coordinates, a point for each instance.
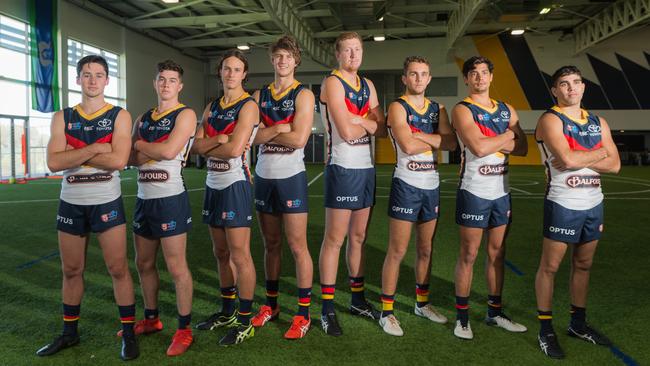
(157, 128)
(82, 129)
(279, 108)
(421, 121)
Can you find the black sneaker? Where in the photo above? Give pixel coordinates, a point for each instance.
(549, 345)
(217, 320)
(590, 335)
(237, 334)
(130, 350)
(330, 324)
(365, 309)
(61, 342)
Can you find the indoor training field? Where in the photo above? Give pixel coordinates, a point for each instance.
(30, 280)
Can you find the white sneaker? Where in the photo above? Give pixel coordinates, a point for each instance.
(504, 322)
(390, 325)
(429, 312)
(463, 332)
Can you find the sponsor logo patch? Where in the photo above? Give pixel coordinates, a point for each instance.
(148, 176)
(64, 220)
(472, 217)
(218, 165)
(88, 178)
(583, 181)
(421, 166)
(168, 226)
(402, 210)
(364, 140)
(275, 149)
(228, 215)
(561, 230)
(498, 169)
(347, 198)
(294, 203)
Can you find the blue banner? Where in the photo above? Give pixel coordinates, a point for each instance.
(43, 34)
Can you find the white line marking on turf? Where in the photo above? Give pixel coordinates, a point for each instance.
(315, 179)
(519, 190)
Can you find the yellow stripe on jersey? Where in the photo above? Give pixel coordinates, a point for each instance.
(418, 110)
(241, 97)
(276, 96)
(94, 115)
(495, 105)
(583, 115)
(155, 115)
(355, 87)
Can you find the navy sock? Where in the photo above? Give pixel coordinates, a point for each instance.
(462, 310)
(387, 304)
(327, 295)
(494, 305)
(70, 319)
(357, 290)
(184, 321)
(244, 313)
(228, 297)
(421, 294)
(272, 288)
(545, 321)
(304, 300)
(151, 313)
(127, 318)
(578, 317)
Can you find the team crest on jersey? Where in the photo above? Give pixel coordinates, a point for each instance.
(74, 126)
(168, 226)
(294, 203)
(351, 95)
(410, 117)
(571, 128)
(109, 216)
(263, 104)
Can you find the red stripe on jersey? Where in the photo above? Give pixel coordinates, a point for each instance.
(209, 130)
(74, 142)
(365, 109)
(415, 129)
(268, 121)
(163, 138)
(575, 145)
(486, 131)
(352, 108)
(106, 139)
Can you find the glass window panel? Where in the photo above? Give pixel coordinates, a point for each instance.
(39, 134)
(13, 23)
(113, 87)
(13, 64)
(72, 78)
(74, 98)
(14, 98)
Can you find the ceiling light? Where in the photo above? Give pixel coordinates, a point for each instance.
(170, 1)
(381, 19)
(545, 11)
(517, 32)
(243, 47)
(379, 38)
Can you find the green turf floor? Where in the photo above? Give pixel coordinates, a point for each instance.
(30, 280)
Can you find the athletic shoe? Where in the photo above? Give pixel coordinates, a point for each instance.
(237, 334)
(502, 321)
(145, 326)
(330, 324)
(549, 345)
(180, 342)
(217, 320)
(130, 350)
(590, 335)
(299, 327)
(429, 312)
(266, 314)
(390, 325)
(61, 342)
(463, 332)
(366, 309)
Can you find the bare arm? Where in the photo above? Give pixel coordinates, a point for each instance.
(343, 119)
(376, 113)
(121, 145)
(203, 143)
(402, 132)
(612, 163)
(168, 149)
(550, 129)
(300, 130)
(479, 144)
(518, 146)
(137, 158)
(238, 141)
(59, 157)
(445, 139)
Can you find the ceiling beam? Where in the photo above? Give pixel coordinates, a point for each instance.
(611, 21)
(285, 17)
(225, 41)
(199, 20)
(434, 8)
(461, 18)
(440, 29)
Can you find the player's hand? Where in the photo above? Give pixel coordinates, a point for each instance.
(222, 139)
(283, 128)
(417, 135)
(356, 120)
(558, 164)
(513, 135)
(69, 147)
